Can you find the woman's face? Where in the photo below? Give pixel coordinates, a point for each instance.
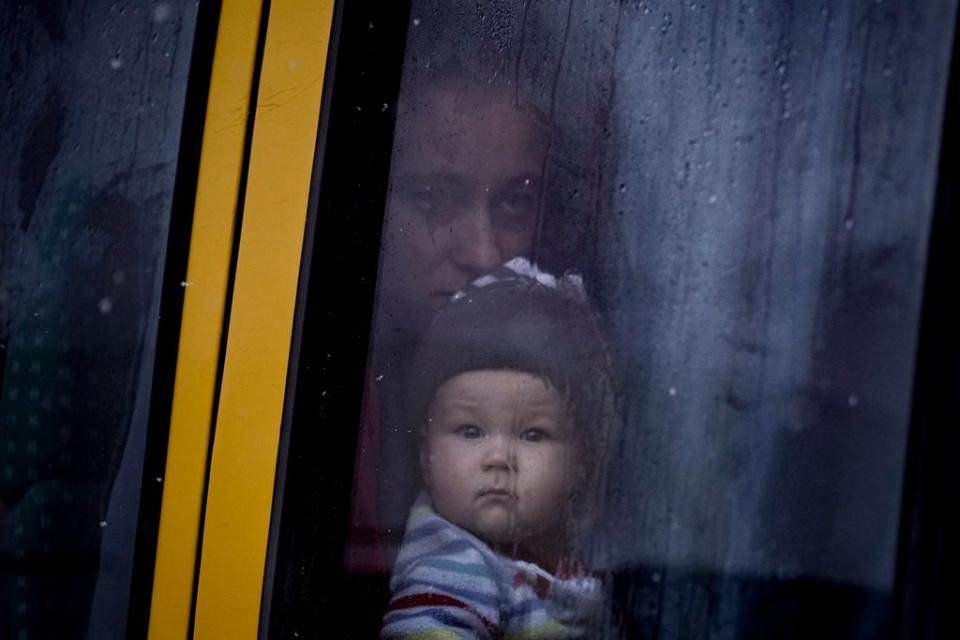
(464, 194)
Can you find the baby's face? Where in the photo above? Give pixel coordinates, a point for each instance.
(499, 455)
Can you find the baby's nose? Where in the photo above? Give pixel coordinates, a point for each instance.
(500, 454)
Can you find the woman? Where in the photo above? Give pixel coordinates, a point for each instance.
(464, 198)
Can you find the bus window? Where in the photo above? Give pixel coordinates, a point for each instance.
(745, 196)
(90, 122)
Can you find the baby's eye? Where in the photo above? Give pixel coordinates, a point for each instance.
(470, 431)
(534, 435)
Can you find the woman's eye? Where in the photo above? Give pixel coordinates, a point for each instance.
(521, 201)
(425, 200)
(431, 200)
(517, 204)
(470, 431)
(534, 435)
(515, 211)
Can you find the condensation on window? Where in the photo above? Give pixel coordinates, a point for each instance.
(746, 190)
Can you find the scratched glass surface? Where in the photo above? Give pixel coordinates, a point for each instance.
(89, 122)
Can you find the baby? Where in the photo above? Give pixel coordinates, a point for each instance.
(514, 384)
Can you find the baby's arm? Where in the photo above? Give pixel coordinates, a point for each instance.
(444, 596)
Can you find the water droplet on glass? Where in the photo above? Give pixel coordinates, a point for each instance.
(161, 11)
(105, 305)
(116, 63)
(713, 198)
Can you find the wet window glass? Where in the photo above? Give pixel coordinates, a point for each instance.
(90, 121)
(643, 328)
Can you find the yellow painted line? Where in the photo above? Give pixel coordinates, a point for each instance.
(243, 465)
(208, 266)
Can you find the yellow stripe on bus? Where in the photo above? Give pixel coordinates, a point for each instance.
(221, 161)
(243, 465)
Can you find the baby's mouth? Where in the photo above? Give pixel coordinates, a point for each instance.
(497, 492)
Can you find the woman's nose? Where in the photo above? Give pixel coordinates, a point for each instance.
(475, 243)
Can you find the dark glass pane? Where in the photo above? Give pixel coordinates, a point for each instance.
(90, 122)
(746, 190)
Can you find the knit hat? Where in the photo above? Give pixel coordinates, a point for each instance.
(522, 319)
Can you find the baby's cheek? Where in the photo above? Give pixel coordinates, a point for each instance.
(447, 494)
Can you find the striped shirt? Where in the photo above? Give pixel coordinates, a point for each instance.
(448, 584)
